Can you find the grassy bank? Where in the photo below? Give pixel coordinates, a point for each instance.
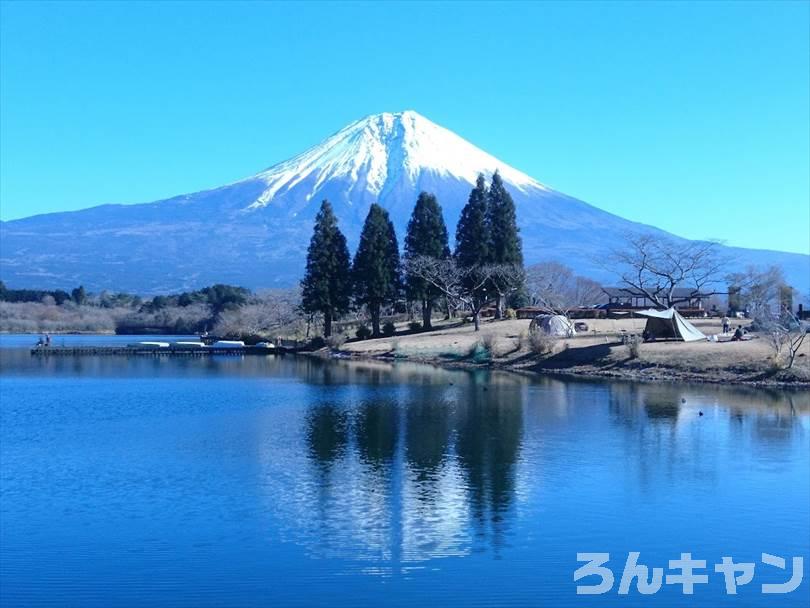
(596, 353)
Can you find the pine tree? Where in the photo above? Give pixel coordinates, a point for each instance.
(505, 247)
(376, 265)
(426, 236)
(326, 287)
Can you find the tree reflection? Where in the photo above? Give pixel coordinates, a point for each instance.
(428, 435)
(488, 446)
(407, 464)
(327, 433)
(376, 432)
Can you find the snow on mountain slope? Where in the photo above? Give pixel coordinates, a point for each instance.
(254, 232)
(381, 149)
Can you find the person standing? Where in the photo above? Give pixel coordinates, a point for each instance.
(725, 324)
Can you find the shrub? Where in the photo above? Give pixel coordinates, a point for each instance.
(363, 332)
(335, 341)
(479, 353)
(488, 340)
(511, 314)
(389, 329)
(541, 343)
(317, 342)
(634, 346)
(415, 326)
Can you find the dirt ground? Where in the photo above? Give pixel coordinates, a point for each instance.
(599, 352)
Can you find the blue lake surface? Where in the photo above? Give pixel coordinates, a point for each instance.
(288, 481)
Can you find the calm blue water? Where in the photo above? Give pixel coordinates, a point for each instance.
(294, 482)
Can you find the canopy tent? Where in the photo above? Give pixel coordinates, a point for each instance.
(669, 324)
(553, 325)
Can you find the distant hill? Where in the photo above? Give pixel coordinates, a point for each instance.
(255, 232)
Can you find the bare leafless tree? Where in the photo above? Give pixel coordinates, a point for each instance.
(554, 287)
(759, 291)
(505, 279)
(273, 312)
(463, 287)
(787, 333)
(654, 266)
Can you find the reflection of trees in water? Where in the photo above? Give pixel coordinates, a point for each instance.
(406, 476)
(396, 472)
(377, 431)
(488, 446)
(428, 435)
(661, 408)
(327, 434)
(666, 436)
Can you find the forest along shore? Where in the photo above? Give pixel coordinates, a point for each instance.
(599, 352)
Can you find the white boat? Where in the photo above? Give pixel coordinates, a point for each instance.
(149, 344)
(265, 345)
(228, 344)
(188, 344)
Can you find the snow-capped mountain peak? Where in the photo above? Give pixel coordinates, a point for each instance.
(254, 232)
(380, 150)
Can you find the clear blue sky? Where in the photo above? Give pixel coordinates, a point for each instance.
(691, 117)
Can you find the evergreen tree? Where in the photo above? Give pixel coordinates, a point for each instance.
(473, 246)
(79, 295)
(426, 236)
(472, 234)
(505, 243)
(376, 265)
(326, 287)
(505, 247)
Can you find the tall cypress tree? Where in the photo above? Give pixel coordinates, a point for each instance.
(473, 245)
(426, 236)
(505, 243)
(376, 265)
(505, 247)
(326, 287)
(472, 234)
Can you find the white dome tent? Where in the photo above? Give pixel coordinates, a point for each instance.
(553, 325)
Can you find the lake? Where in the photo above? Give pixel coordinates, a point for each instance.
(289, 481)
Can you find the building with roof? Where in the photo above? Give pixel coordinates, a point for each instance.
(627, 298)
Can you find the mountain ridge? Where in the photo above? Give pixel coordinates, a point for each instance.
(254, 231)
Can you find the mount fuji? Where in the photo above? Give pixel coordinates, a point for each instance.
(255, 232)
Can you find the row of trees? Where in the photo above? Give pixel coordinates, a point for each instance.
(58, 296)
(26, 310)
(487, 263)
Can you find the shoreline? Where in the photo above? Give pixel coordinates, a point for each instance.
(598, 353)
(585, 357)
(660, 374)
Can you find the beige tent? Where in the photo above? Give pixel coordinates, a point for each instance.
(669, 324)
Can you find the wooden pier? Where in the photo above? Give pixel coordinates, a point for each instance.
(135, 351)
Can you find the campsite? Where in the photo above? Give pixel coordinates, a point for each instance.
(602, 351)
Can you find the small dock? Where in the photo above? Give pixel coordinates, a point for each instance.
(135, 351)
